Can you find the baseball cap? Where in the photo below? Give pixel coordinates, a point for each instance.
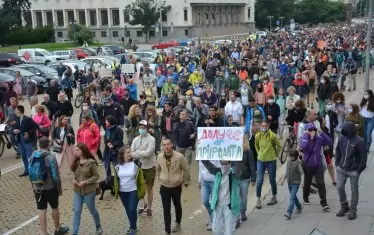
(143, 122)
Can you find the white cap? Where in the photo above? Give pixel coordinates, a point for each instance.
(143, 122)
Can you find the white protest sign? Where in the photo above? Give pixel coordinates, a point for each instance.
(220, 143)
(105, 72)
(128, 68)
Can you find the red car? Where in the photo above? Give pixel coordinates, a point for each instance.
(165, 44)
(82, 53)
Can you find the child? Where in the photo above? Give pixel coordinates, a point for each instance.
(294, 171)
(230, 121)
(225, 200)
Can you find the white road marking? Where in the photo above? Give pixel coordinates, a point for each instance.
(11, 168)
(24, 224)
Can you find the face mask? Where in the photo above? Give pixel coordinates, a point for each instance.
(225, 168)
(255, 78)
(142, 131)
(264, 129)
(366, 97)
(322, 81)
(328, 107)
(338, 101)
(188, 97)
(244, 86)
(271, 101)
(93, 101)
(350, 110)
(299, 78)
(85, 108)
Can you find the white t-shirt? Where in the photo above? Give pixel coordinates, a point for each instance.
(127, 177)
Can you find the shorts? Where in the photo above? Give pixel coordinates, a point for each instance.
(149, 176)
(45, 197)
(328, 159)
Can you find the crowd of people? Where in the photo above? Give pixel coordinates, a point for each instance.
(263, 85)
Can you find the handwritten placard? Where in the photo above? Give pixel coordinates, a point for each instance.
(128, 68)
(105, 72)
(220, 143)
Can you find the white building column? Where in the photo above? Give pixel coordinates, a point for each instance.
(98, 18)
(54, 18)
(121, 17)
(44, 18)
(66, 23)
(86, 16)
(33, 17)
(110, 17)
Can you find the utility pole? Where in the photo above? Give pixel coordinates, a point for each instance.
(270, 18)
(281, 18)
(160, 24)
(368, 44)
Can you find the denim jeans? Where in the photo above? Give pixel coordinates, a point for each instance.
(293, 188)
(368, 130)
(26, 150)
(342, 177)
(272, 170)
(130, 202)
(243, 193)
(89, 199)
(206, 193)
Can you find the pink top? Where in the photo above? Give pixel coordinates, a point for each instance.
(119, 91)
(42, 120)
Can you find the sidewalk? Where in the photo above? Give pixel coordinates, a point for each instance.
(271, 220)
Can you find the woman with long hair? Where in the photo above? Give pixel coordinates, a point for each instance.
(86, 174)
(41, 118)
(113, 140)
(89, 133)
(367, 112)
(129, 185)
(355, 117)
(340, 108)
(63, 139)
(135, 116)
(154, 123)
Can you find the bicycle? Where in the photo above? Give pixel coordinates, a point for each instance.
(79, 98)
(4, 140)
(289, 144)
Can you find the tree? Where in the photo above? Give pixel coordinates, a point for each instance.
(82, 34)
(146, 13)
(312, 12)
(17, 8)
(275, 8)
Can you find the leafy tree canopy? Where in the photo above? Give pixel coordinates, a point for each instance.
(82, 34)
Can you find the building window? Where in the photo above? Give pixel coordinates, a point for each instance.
(28, 18)
(164, 33)
(49, 17)
(60, 18)
(164, 17)
(94, 33)
(103, 34)
(82, 17)
(93, 18)
(115, 34)
(151, 33)
(128, 34)
(115, 17)
(71, 17)
(60, 34)
(126, 15)
(213, 16)
(185, 14)
(206, 16)
(104, 17)
(139, 34)
(186, 32)
(249, 13)
(39, 19)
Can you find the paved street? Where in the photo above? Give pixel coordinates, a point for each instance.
(18, 210)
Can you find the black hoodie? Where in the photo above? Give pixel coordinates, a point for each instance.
(350, 151)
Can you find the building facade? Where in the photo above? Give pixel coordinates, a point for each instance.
(109, 19)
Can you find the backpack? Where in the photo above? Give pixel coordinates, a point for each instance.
(37, 169)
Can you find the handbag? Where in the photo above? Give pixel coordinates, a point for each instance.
(59, 148)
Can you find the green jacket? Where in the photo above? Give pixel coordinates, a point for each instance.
(234, 188)
(140, 182)
(267, 146)
(233, 82)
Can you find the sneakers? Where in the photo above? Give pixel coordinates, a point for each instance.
(243, 217)
(272, 201)
(325, 207)
(99, 231)
(306, 201)
(62, 230)
(287, 215)
(342, 211)
(299, 210)
(209, 226)
(258, 204)
(176, 228)
(131, 231)
(237, 225)
(352, 215)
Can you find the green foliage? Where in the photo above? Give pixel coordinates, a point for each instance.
(303, 11)
(82, 34)
(146, 13)
(16, 8)
(23, 35)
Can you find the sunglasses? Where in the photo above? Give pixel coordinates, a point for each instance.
(312, 129)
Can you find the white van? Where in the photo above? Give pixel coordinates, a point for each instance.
(37, 56)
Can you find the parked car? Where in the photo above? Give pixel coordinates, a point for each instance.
(40, 70)
(115, 48)
(40, 81)
(66, 54)
(105, 60)
(71, 63)
(127, 56)
(165, 44)
(186, 42)
(104, 50)
(37, 56)
(223, 41)
(64, 41)
(147, 56)
(93, 51)
(83, 53)
(9, 59)
(5, 79)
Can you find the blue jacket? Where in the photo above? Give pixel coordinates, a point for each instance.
(249, 117)
(133, 93)
(283, 68)
(66, 83)
(312, 148)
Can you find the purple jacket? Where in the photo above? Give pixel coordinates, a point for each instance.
(312, 149)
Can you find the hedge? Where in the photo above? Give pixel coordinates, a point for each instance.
(27, 35)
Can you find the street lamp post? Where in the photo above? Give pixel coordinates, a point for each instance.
(270, 18)
(162, 3)
(72, 23)
(281, 18)
(368, 44)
